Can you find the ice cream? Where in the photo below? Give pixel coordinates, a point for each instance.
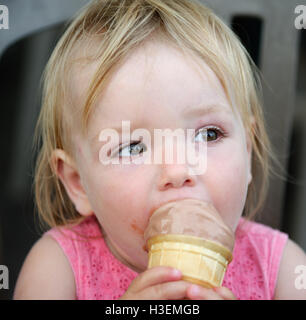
(190, 235)
(190, 217)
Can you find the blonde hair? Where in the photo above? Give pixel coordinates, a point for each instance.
(120, 26)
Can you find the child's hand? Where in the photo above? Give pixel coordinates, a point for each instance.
(199, 293)
(165, 283)
(158, 283)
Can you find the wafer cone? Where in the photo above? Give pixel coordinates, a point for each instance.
(201, 261)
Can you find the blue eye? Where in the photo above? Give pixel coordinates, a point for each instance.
(133, 149)
(210, 134)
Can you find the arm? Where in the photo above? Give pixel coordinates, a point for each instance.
(46, 273)
(285, 288)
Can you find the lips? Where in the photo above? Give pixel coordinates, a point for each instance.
(154, 208)
(163, 203)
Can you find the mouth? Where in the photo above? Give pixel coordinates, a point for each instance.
(154, 208)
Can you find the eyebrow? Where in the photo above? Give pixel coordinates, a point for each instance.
(205, 109)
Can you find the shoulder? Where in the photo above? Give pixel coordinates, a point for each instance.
(46, 273)
(265, 238)
(263, 247)
(293, 262)
(255, 229)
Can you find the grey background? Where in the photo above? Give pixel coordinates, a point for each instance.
(266, 27)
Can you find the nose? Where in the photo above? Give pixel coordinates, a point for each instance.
(175, 176)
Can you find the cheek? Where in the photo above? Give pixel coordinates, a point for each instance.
(228, 181)
(120, 196)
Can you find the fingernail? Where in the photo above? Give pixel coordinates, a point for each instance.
(194, 290)
(176, 273)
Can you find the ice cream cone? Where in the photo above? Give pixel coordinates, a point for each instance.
(201, 261)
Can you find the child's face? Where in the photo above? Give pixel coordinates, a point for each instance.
(152, 89)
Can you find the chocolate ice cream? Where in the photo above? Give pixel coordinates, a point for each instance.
(190, 217)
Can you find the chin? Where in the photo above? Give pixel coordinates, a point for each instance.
(139, 267)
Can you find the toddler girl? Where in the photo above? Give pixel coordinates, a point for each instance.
(157, 64)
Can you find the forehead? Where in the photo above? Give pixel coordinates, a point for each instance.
(154, 76)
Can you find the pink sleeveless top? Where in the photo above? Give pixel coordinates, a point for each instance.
(251, 275)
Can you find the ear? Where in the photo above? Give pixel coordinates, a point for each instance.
(65, 168)
(250, 149)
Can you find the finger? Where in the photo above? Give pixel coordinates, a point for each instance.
(196, 292)
(174, 290)
(225, 293)
(154, 276)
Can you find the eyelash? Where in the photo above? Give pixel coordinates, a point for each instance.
(221, 132)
